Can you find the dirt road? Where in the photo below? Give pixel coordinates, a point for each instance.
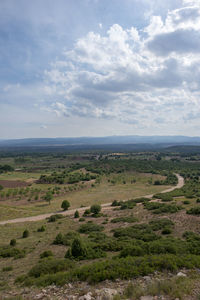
(82, 209)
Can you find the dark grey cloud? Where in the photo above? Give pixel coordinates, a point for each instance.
(179, 41)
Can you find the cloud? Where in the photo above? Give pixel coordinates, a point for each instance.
(143, 76)
(134, 76)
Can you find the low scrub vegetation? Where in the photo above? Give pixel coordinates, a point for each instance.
(10, 251)
(129, 219)
(159, 208)
(89, 227)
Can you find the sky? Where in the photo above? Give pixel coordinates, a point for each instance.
(99, 68)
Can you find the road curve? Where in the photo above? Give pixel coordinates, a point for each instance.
(72, 211)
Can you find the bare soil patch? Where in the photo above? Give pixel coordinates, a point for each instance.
(13, 183)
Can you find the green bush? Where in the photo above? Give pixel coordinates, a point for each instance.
(186, 202)
(13, 242)
(95, 209)
(65, 205)
(110, 269)
(165, 197)
(81, 219)
(127, 204)
(116, 203)
(76, 214)
(132, 251)
(89, 227)
(129, 219)
(65, 239)
(10, 251)
(50, 265)
(41, 229)
(46, 253)
(7, 269)
(159, 208)
(194, 211)
(86, 213)
(140, 232)
(54, 218)
(80, 250)
(191, 236)
(25, 233)
(166, 230)
(158, 224)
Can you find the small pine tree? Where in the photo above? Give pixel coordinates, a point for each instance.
(78, 249)
(25, 233)
(13, 242)
(76, 214)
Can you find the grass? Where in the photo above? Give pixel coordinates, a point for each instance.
(102, 193)
(176, 287)
(19, 176)
(34, 245)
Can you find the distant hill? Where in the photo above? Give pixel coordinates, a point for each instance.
(109, 140)
(109, 143)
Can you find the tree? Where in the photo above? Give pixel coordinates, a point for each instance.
(13, 242)
(95, 209)
(48, 197)
(25, 233)
(76, 214)
(1, 187)
(65, 205)
(78, 249)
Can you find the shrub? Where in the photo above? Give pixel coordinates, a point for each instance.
(95, 209)
(13, 242)
(158, 224)
(129, 219)
(191, 236)
(194, 211)
(9, 251)
(166, 230)
(54, 218)
(127, 204)
(41, 229)
(80, 250)
(165, 197)
(7, 269)
(65, 205)
(186, 202)
(115, 203)
(81, 219)
(65, 239)
(140, 232)
(159, 208)
(25, 233)
(198, 200)
(110, 269)
(157, 182)
(86, 212)
(46, 253)
(76, 214)
(48, 266)
(89, 227)
(132, 251)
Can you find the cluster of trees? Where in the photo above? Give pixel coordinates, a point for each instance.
(64, 177)
(6, 168)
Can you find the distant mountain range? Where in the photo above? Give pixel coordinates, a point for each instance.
(109, 140)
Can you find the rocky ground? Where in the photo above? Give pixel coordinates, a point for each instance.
(106, 290)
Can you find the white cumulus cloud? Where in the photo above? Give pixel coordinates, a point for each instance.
(138, 76)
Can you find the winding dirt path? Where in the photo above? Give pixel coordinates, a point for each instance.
(82, 209)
